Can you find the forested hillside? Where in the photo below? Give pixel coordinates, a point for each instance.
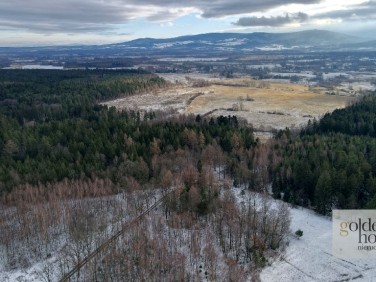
(332, 164)
(52, 128)
(73, 173)
(358, 119)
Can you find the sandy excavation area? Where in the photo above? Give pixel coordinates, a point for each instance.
(265, 105)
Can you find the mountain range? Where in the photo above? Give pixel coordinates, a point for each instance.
(213, 44)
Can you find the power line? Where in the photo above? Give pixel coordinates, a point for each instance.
(109, 241)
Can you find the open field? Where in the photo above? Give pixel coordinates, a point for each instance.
(265, 105)
(310, 258)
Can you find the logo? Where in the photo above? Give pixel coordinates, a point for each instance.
(354, 233)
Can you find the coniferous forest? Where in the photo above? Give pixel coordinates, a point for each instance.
(52, 128)
(73, 172)
(332, 162)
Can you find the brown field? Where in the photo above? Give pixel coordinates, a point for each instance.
(266, 106)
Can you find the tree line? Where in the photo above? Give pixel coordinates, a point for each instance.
(331, 163)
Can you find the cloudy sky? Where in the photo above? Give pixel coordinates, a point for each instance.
(41, 22)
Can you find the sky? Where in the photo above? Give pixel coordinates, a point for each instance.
(67, 22)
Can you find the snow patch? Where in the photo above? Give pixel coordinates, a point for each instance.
(310, 258)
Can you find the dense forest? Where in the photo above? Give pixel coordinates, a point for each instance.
(52, 128)
(332, 162)
(72, 172)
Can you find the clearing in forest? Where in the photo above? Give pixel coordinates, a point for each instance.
(265, 105)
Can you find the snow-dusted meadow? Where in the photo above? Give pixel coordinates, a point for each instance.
(310, 258)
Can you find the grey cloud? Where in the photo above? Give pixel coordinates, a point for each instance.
(91, 11)
(164, 16)
(220, 8)
(241, 7)
(272, 21)
(91, 15)
(44, 27)
(61, 15)
(364, 11)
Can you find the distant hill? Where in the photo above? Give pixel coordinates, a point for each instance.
(243, 42)
(257, 39)
(215, 43)
(369, 45)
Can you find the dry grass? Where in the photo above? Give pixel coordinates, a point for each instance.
(275, 105)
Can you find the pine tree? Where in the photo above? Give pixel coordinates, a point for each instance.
(323, 193)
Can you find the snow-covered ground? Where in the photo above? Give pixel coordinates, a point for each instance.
(310, 258)
(35, 66)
